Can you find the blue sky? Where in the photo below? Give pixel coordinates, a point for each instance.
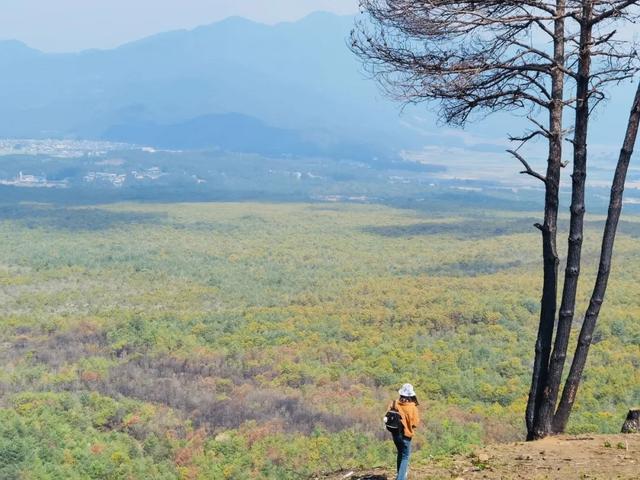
(71, 25)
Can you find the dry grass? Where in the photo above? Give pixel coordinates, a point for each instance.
(593, 457)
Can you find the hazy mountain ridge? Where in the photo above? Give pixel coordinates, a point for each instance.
(293, 76)
(298, 79)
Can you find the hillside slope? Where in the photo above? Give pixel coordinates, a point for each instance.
(602, 457)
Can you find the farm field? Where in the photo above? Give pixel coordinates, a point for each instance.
(263, 340)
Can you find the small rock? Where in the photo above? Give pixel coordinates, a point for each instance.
(524, 457)
(483, 457)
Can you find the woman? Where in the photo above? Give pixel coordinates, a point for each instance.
(407, 406)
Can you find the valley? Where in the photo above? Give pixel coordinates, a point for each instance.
(263, 340)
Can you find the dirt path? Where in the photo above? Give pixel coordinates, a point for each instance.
(601, 457)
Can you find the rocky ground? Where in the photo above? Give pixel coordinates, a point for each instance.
(602, 457)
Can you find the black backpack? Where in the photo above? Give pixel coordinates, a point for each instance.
(393, 420)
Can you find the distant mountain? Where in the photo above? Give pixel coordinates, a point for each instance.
(288, 88)
(13, 51)
(240, 133)
(232, 132)
(298, 79)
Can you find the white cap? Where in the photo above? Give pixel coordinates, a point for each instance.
(407, 390)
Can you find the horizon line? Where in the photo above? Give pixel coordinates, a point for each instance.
(175, 30)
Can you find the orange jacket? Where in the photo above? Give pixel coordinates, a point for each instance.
(410, 416)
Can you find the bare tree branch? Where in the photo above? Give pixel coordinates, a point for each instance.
(528, 170)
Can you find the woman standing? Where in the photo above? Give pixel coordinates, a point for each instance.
(407, 406)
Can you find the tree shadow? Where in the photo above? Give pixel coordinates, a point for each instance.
(480, 228)
(631, 229)
(467, 229)
(75, 219)
(472, 268)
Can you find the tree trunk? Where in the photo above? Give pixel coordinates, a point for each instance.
(544, 416)
(632, 423)
(549, 229)
(597, 297)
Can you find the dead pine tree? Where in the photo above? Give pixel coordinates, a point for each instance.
(541, 58)
(600, 59)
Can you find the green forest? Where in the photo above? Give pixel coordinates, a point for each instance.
(264, 340)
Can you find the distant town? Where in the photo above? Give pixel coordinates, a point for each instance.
(75, 149)
(61, 148)
(34, 181)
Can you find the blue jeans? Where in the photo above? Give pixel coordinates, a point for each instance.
(403, 445)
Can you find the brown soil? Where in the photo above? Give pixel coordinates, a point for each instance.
(601, 457)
